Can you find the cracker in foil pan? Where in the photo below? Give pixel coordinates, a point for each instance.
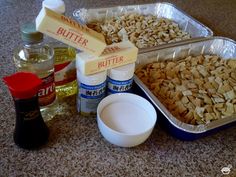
(222, 47)
(145, 25)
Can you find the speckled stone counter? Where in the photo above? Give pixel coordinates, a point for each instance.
(76, 148)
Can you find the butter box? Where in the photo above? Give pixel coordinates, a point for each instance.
(70, 32)
(114, 55)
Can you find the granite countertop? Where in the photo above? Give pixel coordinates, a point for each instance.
(76, 148)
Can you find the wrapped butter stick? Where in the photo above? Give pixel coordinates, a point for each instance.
(70, 32)
(117, 54)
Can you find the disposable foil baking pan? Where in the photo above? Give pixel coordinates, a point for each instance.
(223, 47)
(160, 10)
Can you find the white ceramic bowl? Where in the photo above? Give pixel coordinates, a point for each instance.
(125, 119)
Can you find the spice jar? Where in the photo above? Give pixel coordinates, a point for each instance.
(120, 79)
(92, 89)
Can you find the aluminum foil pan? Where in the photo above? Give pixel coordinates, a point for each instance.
(223, 47)
(160, 10)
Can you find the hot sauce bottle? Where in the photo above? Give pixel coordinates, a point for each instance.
(30, 130)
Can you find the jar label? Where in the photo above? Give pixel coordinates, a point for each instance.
(47, 93)
(90, 96)
(115, 86)
(65, 73)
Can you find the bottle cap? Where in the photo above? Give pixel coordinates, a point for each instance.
(23, 85)
(93, 79)
(29, 33)
(55, 5)
(122, 73)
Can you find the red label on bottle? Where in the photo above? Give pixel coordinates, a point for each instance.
(65, 73)
(47, 93)
(59, 67)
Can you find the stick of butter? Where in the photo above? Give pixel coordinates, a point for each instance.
(114, 55)
(70, 32)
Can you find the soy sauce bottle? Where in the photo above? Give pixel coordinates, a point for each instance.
(30, 130)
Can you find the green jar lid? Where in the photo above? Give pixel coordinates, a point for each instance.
(29, 33)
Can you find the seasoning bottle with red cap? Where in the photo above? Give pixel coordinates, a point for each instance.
(30, 129)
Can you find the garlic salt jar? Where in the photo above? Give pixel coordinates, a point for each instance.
(120, 79)
(92, 89)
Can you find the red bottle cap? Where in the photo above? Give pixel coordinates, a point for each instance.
(23, 85)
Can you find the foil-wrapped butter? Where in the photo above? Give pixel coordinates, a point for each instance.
(114, 55)
(70, 32)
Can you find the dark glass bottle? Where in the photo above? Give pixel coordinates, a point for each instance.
(30, 130)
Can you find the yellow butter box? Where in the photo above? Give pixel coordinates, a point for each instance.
(70, 32)
(114, 55)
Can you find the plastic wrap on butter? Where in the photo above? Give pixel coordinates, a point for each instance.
(70, 32)
(114, 55)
